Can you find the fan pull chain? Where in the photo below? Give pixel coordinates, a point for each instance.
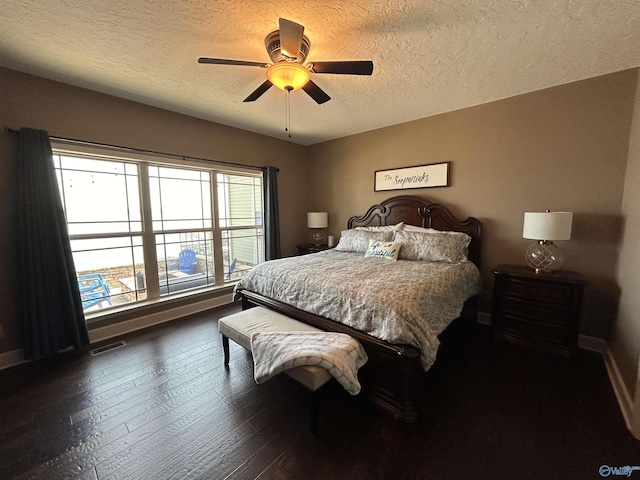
(287, 107)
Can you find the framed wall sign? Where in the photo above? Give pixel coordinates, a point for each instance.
(423, 176)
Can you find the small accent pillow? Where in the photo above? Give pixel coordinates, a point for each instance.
(433, 247)
(384, 228)
(386, 250)
(358, 240)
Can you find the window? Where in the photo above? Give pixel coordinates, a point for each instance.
(240, 215)
(144, 229)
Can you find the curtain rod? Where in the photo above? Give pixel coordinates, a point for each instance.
(11, 131)
(153, 152)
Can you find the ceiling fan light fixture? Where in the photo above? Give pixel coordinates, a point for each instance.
(288, 75)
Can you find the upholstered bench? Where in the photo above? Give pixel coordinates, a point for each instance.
(240, 326)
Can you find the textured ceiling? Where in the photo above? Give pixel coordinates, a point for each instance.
(429, 56)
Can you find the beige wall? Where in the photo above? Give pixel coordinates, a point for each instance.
(563, 148)
(71, 112)
(625, 336)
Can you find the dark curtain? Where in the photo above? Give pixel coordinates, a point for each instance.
(271, 215)
(50, 307)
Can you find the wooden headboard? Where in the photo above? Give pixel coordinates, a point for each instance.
(422, 213)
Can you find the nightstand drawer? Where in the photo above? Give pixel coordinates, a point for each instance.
(540, 312)
(553, 292)
(523, 327)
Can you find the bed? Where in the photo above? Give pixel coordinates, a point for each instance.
(401, 340)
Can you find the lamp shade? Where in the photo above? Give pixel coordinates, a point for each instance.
(317, 219)
(547, 225)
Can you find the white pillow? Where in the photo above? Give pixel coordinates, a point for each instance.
(433, 247)
(386, 250)
(383, 228)
(413, 228)
(358, 240)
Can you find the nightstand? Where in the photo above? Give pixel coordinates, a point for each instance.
(538, 310)
(311, 248)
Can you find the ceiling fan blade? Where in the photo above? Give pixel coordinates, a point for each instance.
(315, 92)
(223, 61)
(259, 91)
(290, 37)
(356, 67)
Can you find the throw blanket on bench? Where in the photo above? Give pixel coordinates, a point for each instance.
(338, 353)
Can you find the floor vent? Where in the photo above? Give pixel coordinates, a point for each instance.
(107, 348)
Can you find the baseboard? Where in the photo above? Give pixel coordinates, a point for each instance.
(622, 393)
(12, 358)
(593, 344)
(619, 387)
(121, 328)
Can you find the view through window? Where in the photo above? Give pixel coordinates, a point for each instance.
(142, 230)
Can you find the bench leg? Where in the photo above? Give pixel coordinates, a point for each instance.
(225, 347)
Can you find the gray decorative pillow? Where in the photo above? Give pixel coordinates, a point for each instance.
(413, 228)
(358, 240)
(433, 246)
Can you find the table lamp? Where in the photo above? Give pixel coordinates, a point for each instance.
(546, 227)
(317, 222)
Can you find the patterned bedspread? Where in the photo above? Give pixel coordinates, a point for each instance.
(409, 302)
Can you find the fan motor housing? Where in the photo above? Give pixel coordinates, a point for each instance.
(272, 44)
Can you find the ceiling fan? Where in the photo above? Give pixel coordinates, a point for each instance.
(288, 48)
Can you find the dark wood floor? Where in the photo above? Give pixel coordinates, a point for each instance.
(163, 406)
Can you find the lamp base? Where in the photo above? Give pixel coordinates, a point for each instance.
(317, 236)
(544, 256)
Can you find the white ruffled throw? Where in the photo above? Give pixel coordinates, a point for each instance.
(338, 353)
